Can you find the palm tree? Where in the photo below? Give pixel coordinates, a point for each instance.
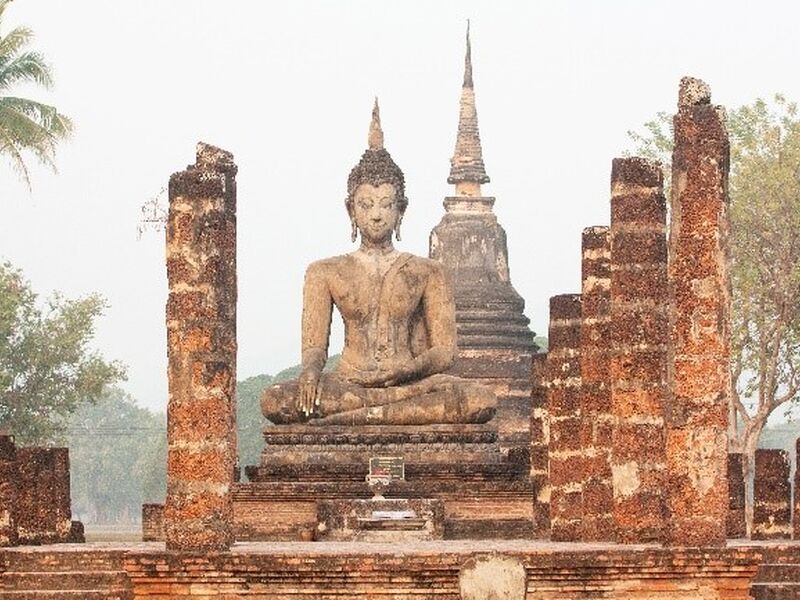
(26, 126)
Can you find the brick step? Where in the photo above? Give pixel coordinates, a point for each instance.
(470, 529)
(25, 560)
(58, 580)
(101, 594)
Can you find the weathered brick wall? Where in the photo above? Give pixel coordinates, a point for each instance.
(153, 522)
(201, 343)
(540, 441)
(550, 576)
(699, 357)
(8, 491)
(639, 334)
(597, 420)
(42, 512)
(566, 457)
(736, 524)
(334, 571)
(772, 496)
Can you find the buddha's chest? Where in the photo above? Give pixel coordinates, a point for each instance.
(370, 295)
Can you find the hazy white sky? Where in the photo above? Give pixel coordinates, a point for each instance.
(288, 88)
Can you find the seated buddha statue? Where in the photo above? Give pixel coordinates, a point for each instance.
(399, 321)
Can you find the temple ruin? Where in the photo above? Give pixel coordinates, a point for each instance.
(597, 470)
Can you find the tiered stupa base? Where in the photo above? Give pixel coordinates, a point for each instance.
(486, 493)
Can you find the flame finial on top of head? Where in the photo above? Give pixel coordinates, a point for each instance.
(375, 138)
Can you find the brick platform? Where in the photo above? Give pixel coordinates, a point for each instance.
(490, 509)
(320, 571)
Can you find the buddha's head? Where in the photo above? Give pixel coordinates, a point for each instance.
(376, 198)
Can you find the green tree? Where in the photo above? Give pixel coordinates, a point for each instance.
(249, 421)
(46, 366)
(118, 456)
(765, 271)
(27, 127)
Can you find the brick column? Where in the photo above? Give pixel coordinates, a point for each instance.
(736, 521)
(563, 407)
(772, 496)
(201, 345)
(8, 491)
(698, 368)
(796, 522)
(639, 333)
(540, 438)
(595, 406)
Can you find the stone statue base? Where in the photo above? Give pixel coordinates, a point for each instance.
(338, 453)
(486, 491)
(380, 520)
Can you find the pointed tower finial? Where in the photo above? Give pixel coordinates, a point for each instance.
(468, 62)
(375, 137)
(467, 171)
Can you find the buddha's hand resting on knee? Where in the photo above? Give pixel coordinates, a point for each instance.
(308, 398)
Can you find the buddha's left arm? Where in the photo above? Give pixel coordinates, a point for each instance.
(439, 311)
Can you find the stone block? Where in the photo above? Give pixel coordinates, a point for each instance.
(43, 513)
(771, 496)
(387, 520)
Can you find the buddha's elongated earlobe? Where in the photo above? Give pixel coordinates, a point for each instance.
(397, 228)
(353, 230)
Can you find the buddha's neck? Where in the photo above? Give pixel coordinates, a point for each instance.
(379, 248)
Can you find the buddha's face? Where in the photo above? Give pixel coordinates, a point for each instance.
(375, 211)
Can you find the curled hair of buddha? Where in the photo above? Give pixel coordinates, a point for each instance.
(376, 166)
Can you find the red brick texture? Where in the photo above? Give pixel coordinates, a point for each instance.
(736, 523)
(540, 440)
(772, 496)
(42, 513)
(639, 334)
(8, 491)
(699, 361)
(153, 522)
(566, 456)
(378, 571)
(597, 421)
(201, 344)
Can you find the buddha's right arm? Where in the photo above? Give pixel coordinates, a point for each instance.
(317, 312)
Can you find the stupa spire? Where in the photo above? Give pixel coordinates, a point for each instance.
(467, 171)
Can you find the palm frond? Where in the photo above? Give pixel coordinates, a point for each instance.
(27, 127)
(3, 5)
(13, 42)
(9, 149)
(27, 134)
(28, 66)
(58, 125)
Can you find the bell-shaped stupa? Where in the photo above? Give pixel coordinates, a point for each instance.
(495, 343)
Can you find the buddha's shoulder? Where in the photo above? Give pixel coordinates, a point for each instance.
(424, 265)
(324, 266)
